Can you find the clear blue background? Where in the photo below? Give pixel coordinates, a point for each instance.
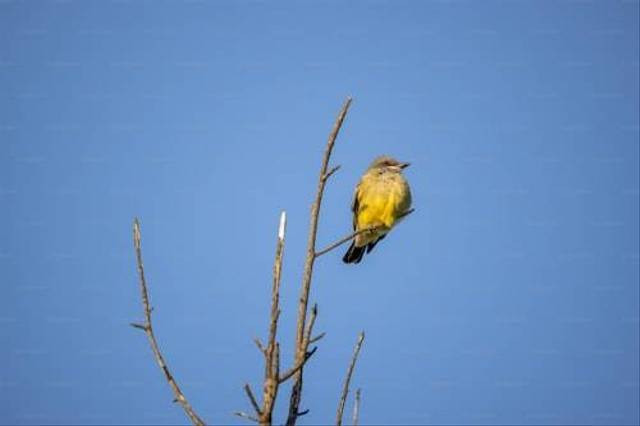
(509, 296)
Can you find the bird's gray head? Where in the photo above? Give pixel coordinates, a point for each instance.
(386, 163)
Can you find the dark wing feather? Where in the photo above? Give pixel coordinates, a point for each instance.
(371, 245)
(355, 205)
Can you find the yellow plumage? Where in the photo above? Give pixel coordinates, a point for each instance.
(382, 197)
(376, 209)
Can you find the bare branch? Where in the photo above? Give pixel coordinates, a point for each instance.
(330, 172)
(275, 290)
(272, 351)
(356, 408)
(301, 342)
(312, 321)
(346, 239)
(246, 416)
(307, 341)
(293, 370)
(252, 398)
(259, 345)
(140, 326)
(356, 233)
(318, 337)
(345, 387)
(147, 327)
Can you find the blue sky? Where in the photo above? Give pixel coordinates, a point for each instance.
(509, 296)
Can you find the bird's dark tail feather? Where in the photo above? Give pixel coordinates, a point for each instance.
(354, 254)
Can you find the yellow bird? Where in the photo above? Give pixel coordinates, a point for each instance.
(381, 199)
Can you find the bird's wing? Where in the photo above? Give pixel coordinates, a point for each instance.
(355, 206)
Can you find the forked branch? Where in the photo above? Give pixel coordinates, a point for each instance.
(302, 343)
(147, 327)
(271, 351)
(293, 370)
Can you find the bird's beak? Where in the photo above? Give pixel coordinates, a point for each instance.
(404, 165)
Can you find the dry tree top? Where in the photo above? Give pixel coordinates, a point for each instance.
(274, 375)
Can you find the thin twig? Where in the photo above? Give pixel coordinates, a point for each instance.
(330, 172)
(147, 327)
(356, 408)
(297, 367)
(252, 398)
(345, 240)
(260, 346)
(318, 337)
(355, 234)
(301, 342)
(312, 321)
(345, 387)
(246, 416)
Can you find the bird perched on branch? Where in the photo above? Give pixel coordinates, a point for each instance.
(381, 199)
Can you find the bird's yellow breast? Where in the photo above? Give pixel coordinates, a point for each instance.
(381, 200)
(378, 210)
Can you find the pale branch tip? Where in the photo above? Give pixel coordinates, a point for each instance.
(283, 225)
(148, 329)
